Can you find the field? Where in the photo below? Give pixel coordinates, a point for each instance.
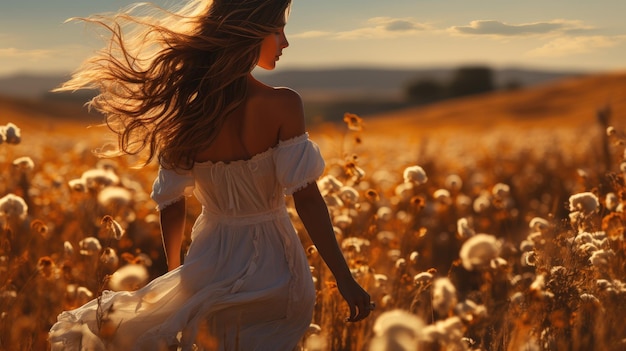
(488, 223)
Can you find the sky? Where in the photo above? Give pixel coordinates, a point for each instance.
(541, 34)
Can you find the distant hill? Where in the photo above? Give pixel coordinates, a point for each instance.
(313, 84)
(564, 104)
(323, 84)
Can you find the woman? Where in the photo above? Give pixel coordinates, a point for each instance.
(180, 89)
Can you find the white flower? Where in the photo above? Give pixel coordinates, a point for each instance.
(24, 163)
(611, 201)
(89, 246)
(384, 213)
(112, 227)
(329, 184)
(478, 251)
(129, 278)
(481, 203)
(453, 182)
(12, 134)
(423, 278)
(442, 196)
(98, 178)
(586, 203)
(68, 248)
(109, 258)
(354, 243)
(444, 296)
(385, 236)
(348, 194)
(501, 190)
(539, 224)
(13, 206)
(396, 330)
(463, 228)
(415, 174)
(114, 196)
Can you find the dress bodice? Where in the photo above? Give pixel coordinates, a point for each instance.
(244, 187)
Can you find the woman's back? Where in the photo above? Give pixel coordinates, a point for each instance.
(256, 125)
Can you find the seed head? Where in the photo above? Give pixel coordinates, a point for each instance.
(13, 206)
(415, 175)
(478, 251)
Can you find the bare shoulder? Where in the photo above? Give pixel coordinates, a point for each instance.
(284, 107)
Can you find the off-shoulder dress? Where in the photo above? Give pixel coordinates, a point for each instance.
(245, 283)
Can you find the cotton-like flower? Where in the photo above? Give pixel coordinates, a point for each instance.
(463, 228)
(129, 278)
(396, 330)
(444, 296)
(610, 130)
(115, 197)
(469, 311)
(400, 263)
(611, 201)
(384, 213)
(112, 228)
(414, 256)
(13, 207)
(342, 221)
(601, 258)
(442, 196)
(68, 249)
(501, 190)
(447, 332)
(77, 185)
(453, 182)
(354, 243)
(348, 194)
(415, 175)
(24, 163)
(354, 122)
(89, 246)
(380, 279)
(481, 203)
(422, 279)
(97, 178)
(539, 224)
(586, 203)
(109, 259)
(394, 254)
(463, 202)
(478, 251)
(386, 236)
(329, 184)
(12, 134)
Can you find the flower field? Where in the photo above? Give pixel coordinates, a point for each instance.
(469, 233)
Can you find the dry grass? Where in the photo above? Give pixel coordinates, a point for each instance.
(548, 275)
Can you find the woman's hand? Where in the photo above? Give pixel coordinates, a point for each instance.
(357, 298)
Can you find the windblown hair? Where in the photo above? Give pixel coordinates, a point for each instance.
(167, 80)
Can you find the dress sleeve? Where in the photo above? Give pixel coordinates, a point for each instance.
(171, 186)
(298, 163)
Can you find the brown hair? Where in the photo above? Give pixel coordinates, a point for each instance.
(168, 79)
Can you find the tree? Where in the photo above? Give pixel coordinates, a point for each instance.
(471, 80)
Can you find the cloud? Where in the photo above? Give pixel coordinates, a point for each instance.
(498, 28)
(14, 53)
(384, 27)
(311, 34)
(565, 46)
(377, 28)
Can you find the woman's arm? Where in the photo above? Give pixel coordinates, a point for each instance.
(314, 215)
(172, 229)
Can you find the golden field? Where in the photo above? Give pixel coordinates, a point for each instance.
(492, 222)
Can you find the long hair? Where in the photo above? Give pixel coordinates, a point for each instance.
(167, 79)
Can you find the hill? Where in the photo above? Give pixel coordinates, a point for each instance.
(566, 103)
(315, 84)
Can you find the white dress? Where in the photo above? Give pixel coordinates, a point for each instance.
(245, 283)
